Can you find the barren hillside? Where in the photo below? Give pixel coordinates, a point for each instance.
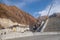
(15, 14)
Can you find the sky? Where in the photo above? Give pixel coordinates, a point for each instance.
(35, 7)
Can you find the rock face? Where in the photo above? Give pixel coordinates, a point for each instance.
(16, 15)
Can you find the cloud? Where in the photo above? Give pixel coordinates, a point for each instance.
(36, 15)
(45, 11)
(30, 1)
(2, 1)
(20, 3)
(55, 8)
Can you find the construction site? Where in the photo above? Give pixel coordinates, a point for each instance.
(16, 24)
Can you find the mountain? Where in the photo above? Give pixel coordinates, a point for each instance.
(15, 14)
(42, 18)
(54, 15)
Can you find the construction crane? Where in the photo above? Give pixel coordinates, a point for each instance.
(51, 5)
(50, 8)
(38, 29)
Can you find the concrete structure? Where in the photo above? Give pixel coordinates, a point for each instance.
(32, 36)
(53, 25)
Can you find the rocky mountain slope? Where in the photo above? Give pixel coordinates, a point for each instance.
(16, 15)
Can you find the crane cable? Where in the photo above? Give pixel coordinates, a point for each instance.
(51, 5)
